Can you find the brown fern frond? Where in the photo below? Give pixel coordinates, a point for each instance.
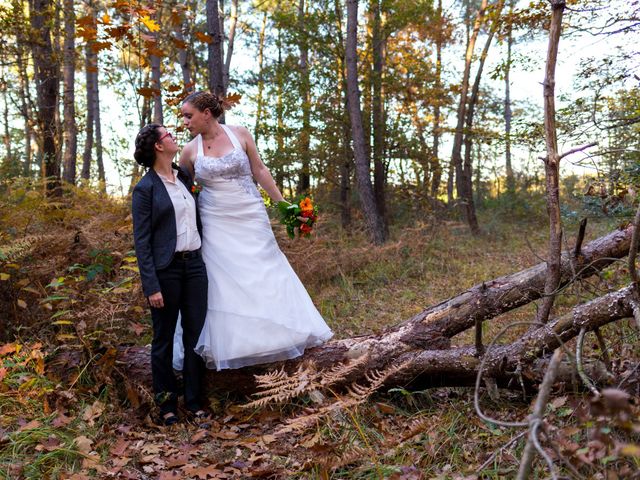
(352, 454)
(278, 387)
(340, 372)
(415, 427)
(21, 247)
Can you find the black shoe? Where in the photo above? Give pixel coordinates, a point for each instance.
(168, 419)
(201, 418)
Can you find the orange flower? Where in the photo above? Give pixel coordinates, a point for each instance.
(306, 205)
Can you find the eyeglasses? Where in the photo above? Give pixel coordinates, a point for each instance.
(168, 134)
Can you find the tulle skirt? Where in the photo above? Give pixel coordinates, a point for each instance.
(258, 310)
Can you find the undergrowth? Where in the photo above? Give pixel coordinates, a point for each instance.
(70, 296)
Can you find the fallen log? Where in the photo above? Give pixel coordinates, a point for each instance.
(422, 343)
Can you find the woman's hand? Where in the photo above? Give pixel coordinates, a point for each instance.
(156, 300)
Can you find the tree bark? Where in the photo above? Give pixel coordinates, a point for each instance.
(421, 345)
(90, 67)
(304, 180)
(46, 75)
(214, 63)
(156, 73)
(436, 167)
(260, 96)
(552, 163)
(230, 43)
(377, 114)
(70, 127)
(347, 155)
(511, 184)
(375, 223)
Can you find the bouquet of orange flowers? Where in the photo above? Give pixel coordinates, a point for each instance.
(300, 216)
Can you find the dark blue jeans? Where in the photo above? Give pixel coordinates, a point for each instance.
(184, 289)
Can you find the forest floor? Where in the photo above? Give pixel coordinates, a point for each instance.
(69, 283)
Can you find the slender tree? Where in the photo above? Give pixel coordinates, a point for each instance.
(230, 44)
(69, 69)
(511, 184)
(456, 152)
(466, 177)
(552, 163)
(304, 181)
(214, 59)
(46, 76)
(363, 175)
(377, 108)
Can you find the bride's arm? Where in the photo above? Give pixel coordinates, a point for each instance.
(187, 157)
(258, 168)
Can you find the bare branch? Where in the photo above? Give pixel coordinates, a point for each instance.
(578, 149)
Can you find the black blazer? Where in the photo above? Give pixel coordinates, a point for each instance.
(154, 226)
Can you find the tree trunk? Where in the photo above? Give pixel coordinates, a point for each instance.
(436, 167)
(70, 128)
(90, 68)
(456, 152)
(304, 180)
(184, 52)
(156, 73)
(230, 43)
(417, 352)
(347, 158)
(375, 223)
(214, 62)
(511, 184)
(552, 163)
(98, 128)
(260, 99)
(46, 75)
(377, 107)
(466, 178)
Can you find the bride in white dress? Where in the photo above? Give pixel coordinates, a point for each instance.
(258, 310)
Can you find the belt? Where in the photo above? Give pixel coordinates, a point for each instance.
(187, 255)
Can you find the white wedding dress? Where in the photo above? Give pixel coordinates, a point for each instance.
(258, 310)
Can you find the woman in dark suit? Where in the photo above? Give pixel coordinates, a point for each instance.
(166, 229)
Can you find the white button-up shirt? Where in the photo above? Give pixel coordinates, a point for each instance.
(187, 236)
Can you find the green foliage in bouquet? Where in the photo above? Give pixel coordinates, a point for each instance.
(298, 216)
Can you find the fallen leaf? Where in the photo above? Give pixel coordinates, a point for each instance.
(199, 435)
(83, 443)
(631, 450)
(22, 303)
(119, 447)
(33, 424)
(558, 402)
(92, 412)
(61, 420)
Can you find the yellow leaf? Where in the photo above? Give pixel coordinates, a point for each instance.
(22, 303)
(130, 267)
(106, 19)
(62, 322)
(64, 336)
(120, 290)
(12, 265)
(631, 450)
(151, 24)
(129, 259)
(4, 276)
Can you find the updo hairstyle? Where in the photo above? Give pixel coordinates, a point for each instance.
(146, 139)
(208, 101)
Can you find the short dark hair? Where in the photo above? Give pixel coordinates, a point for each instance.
(207, 101)
(146, 139)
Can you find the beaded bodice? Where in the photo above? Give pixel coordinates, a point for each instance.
(234, 166)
